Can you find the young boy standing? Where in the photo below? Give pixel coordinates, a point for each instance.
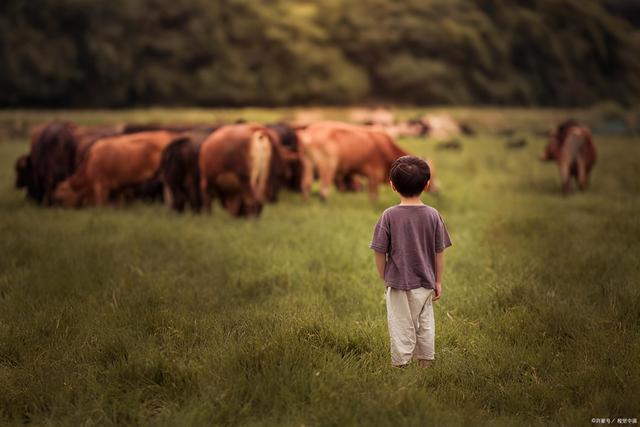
(409, 242)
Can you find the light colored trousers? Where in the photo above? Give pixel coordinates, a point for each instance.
(411, 324)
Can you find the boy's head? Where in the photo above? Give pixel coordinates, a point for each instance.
(410, 175)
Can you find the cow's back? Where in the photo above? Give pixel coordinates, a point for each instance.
(127, 159)
(349, 146)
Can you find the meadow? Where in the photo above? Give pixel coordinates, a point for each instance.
(140, 316)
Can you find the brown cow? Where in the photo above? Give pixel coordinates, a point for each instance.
(56, 150)
(571, 146)
(237, 165)
(180, 173)
(113, 164)
(339, 150)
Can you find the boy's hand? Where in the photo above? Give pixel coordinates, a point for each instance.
(438, 291)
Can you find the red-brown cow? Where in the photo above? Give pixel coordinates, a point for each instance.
(338, 151)
(238, 165)
(113, 164)
(571, 146)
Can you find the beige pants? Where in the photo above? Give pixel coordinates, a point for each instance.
(411, 324)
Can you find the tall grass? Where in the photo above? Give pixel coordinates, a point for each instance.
(137, 315)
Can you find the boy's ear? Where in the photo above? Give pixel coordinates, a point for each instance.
(393, 187)
(427, 186)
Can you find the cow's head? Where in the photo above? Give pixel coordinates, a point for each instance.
(66, 195)
(23, 171)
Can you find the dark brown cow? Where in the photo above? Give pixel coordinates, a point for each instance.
(112, 165)
(180, 173)
(571, 146)
(337, 151)
(290, 151)
(52, 159)
(237, 165)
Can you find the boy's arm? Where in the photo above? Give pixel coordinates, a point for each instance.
(439, 273)
(381, 260)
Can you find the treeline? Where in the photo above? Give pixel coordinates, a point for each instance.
(93, 53)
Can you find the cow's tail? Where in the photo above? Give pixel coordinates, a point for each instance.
(260, 156)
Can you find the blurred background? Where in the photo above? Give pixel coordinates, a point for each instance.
(126, 53)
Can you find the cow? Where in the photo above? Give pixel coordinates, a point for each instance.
(571, 146)
(52, 159)
(237, 165)
(55, 152)
(112, 165)
(180, 173)
(289, 150)
(338, 151)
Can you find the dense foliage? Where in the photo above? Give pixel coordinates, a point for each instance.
(282, 52)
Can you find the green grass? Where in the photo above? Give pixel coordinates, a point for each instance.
(137, 315)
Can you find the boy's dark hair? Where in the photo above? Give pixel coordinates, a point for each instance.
(409, 175)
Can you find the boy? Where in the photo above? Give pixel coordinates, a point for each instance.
(409, 242)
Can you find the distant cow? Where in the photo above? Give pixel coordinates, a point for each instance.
(56, 150)
(290, 152)
(112, 165)
(571, 146)
(339, 150)
(237, 165)
(52, 159)
(180, 173)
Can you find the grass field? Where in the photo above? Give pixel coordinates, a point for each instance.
(137, 315)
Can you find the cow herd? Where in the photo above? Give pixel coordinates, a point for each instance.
(242, 165)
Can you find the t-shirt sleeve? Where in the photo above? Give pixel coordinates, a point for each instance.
(443, 240)
(381, 236)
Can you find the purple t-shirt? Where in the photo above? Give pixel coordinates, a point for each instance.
(410, 235)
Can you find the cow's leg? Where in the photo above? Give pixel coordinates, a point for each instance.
(327, 176)
(167, 195)
(100, 193)
(307, 177)
(180, 200)
(375, 177)
(204, 195)
(582, 173)
(194, 196)
(564, 176)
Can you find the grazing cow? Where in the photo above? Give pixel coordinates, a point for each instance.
(180, 173)
(290, 152)
(338, 151)
(571, 146)
(237, 165)
(56, 150)
(113, 165)
(52, 159)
